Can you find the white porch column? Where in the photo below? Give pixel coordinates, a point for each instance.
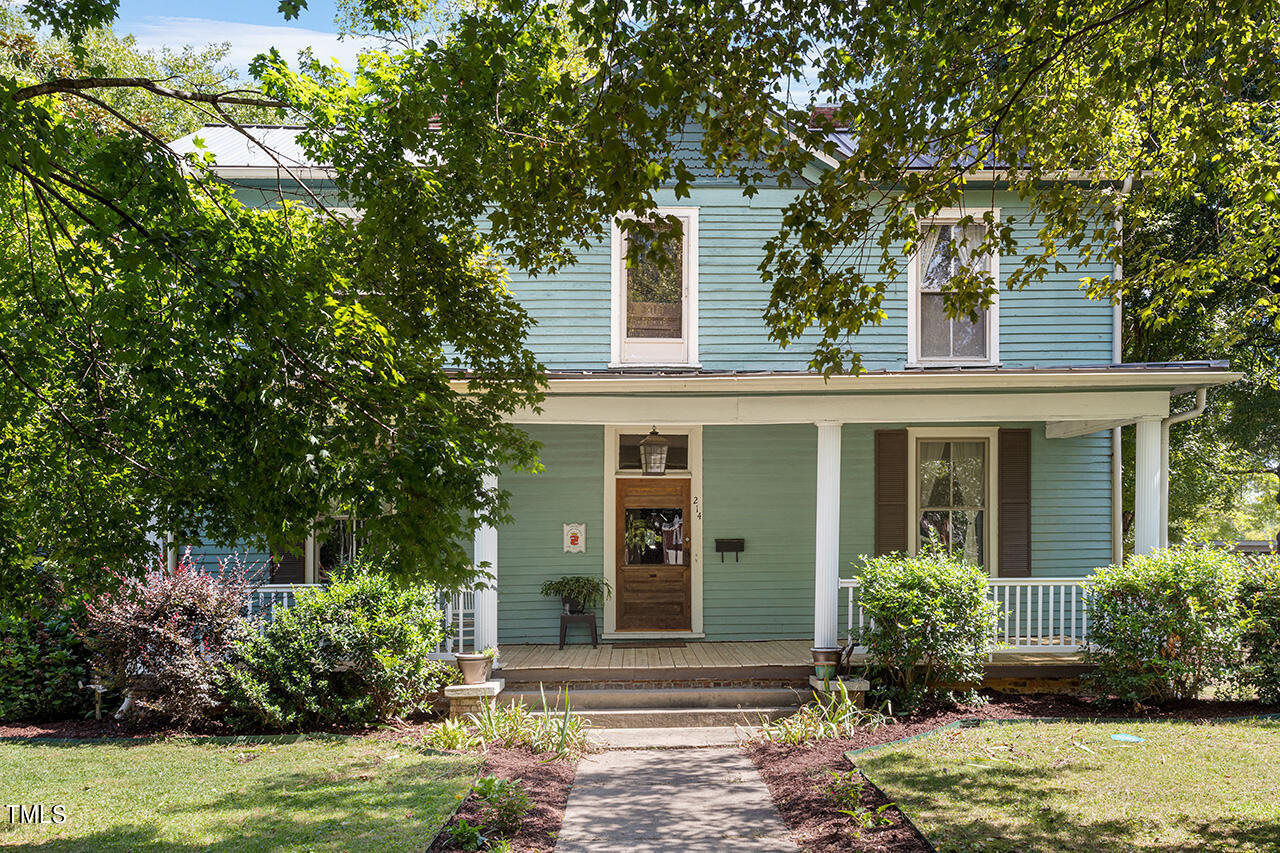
(826, 569)
(1148, 489)
(486, 551)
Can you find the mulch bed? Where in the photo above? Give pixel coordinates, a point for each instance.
(797, 775)
(546, 780)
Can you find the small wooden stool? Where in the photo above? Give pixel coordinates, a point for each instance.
(586, 618)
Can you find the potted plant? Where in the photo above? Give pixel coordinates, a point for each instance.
(577, 593)
(476, 667)
(825, 661)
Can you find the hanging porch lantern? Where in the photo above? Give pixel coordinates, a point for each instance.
(653, 453)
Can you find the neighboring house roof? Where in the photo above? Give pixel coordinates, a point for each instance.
(276, 146)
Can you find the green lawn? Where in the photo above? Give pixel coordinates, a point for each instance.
(1069, 786)
(316, 795)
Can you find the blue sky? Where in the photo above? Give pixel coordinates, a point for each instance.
(250, 26)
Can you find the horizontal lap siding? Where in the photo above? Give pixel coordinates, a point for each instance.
(1070, 500)
(531, 550)
(217, 559)
(758, 485)
(1070, 504)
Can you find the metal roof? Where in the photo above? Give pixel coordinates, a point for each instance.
(275, 145)
(1163, 367)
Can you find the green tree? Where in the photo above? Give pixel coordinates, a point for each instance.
(172, 359)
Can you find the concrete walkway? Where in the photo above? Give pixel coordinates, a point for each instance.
(688, 737)
(671, 801)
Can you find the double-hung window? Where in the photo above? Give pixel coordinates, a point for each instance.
(952, 492)
(655, 292)
(948, 249)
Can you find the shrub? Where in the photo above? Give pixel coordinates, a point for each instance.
(502, 803)
(1260, 595)
(933, 623)
(353, 652)
(1164, 625)
(42, 663)
(161, 638)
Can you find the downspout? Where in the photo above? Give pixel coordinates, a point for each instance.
(1117, 354)
(1194, 412)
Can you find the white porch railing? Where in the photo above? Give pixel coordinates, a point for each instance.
(458, 610)
(1034, 615)
(459, 622)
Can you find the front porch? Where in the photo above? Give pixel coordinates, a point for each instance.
(702, 662)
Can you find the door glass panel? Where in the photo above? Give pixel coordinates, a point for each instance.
(654, 536)
(655, 289)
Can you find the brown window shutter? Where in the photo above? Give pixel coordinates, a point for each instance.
(891, 491)
(1014, 536)
(287, 566)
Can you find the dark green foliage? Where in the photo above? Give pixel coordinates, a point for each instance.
(42, 662)
(933, 623)
(587, 590)
(1164, 625)
(502, 803)
(1260, 592)
(354, 652)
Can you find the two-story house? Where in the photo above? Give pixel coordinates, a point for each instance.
(723, 489)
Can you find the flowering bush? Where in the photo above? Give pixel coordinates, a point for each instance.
(162, 638)
(1164, 625)
(352, 652)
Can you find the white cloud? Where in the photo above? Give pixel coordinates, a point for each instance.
(247, 40)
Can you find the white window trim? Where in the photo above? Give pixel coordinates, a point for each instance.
(948, 216)
(609, 540)
(618, 341)
(991, 436)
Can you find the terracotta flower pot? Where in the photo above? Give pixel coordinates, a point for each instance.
(475, 668)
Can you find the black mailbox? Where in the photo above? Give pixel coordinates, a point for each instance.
(730, 546)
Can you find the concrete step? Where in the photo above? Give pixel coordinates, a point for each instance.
(661, 697)
(675, 718)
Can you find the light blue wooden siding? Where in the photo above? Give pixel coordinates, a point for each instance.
(758, 485)
(1051, 323)
(1070, 503)
(216, 559)
(1070, 500)
(531, 550)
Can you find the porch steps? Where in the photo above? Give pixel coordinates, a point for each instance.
(665, 707)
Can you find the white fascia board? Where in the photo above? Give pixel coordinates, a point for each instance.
(918, 408)
(877, 383)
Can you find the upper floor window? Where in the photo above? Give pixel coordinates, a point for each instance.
(655, 293)
(946, 250)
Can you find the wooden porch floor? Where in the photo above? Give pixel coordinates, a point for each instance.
(697, 654)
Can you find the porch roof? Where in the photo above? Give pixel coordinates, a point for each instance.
(1174, 377)
(1088, 398)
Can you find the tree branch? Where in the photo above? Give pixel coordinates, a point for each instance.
(70, 85)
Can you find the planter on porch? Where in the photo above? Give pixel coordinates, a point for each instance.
(475, 668)
(825, 661)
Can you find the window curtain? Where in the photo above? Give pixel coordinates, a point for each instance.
(928, 245)
(972, 239)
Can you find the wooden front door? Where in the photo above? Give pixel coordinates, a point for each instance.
(653, 576)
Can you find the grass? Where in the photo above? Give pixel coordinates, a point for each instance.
(1069, 786)
(349, 794)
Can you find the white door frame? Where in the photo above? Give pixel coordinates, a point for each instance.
(694, 522)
